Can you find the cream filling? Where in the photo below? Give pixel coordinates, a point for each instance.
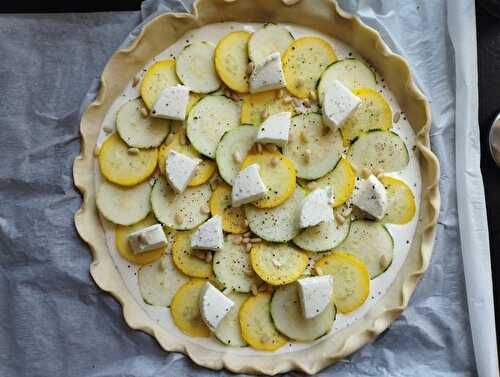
(402, 234)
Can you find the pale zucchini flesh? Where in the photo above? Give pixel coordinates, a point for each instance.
(167, 204)
(124, 205)
(232, 267)
(288, 319)
(267, 40)
(322, 237)
(159, 281)
(210, 118)
(371, 243)
(379, 150)
(195, 67)
(229, 330)
(139, 131)
(278, 224)
(236, 141)
(307, 137)
(352, 73)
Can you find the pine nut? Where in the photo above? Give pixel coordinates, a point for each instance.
(339, 218)
(307, 155)
(254, 289)
(237, 240)
(271, 147)
(237, 157)
(287, 100)
(265, 113)
(274, 161)
(97, 149)
(384, 261)
(262, 287)
(164, 263)
(205, 209)
(306, 102)
(365, 172)
(325, 130)
(208, 257)
(250, 68)
(133, 151)
(144, 112)
(245, 240)
(179, 218)
(303, 137)
(312, 95)
(135, 81)
(318, 271)
(248, 247)
(107, 129)
(396, 117)
(347, 212)
(280, 93)
(259, 148)
(255, 240)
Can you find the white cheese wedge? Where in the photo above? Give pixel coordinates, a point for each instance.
(317, 208)
(214, 306)
(371, 197)
(147, 239)
(209, 235)
(267, 75)
(247, 186)
(275, 129)
(338, 104)
(180, 169)
(315, 294)
(172, 103)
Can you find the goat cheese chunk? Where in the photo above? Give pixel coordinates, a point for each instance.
(147, 239)
(338, 104)
(275, 129)
(209, 235)
(315, 294)
(317, 208)
(247, 186)
(214, 306)
(371, 197)
(180, 169)
(172, 103)
(267, 75)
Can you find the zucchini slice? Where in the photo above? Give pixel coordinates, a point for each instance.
(401, 207)
(233, 218)
(270, 38)
(353, 73)
(119, 166)
(159, 281)
(373, 113)
(239, 140)
(124, 205)
(159, 76)
(351, 280)
(121, 241)
(209, 119)
(229, 330)
(257, 327)
(304, 61)
(231, 60)
(306, 137)
(382, 150)
(185, 261)
(195, 67)
(138, 131)
(279, 224)
(278, 174)
(288, 319)
(206, 168)
(322, 237)
(232, 267)
(254, 106)
(185, 309)
(168, 205)
(371, 243)
(278, 264)
(341, 179)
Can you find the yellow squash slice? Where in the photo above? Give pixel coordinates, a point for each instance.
(351, 280)
(233, 218)
(159, 76)
(205, 169)
(185, 261)
(277, 173)
(185, 309)
(303, 63)
(278, 264)
(257, 326)
(401, 202)
(341, 179)
(120, 166)
(121, 240)
(231, 60)
(255, 105)
(373, 113)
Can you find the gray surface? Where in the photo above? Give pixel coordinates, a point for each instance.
(54, 321)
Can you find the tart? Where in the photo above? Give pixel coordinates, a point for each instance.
(259, 193)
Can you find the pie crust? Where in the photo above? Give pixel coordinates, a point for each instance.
(324, 16)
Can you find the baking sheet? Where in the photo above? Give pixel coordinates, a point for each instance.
(55, 321)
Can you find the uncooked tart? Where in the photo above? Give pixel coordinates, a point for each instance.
(375, 264)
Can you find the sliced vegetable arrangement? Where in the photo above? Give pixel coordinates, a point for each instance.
(249, 182)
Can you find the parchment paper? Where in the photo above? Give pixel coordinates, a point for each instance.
(54, 321)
